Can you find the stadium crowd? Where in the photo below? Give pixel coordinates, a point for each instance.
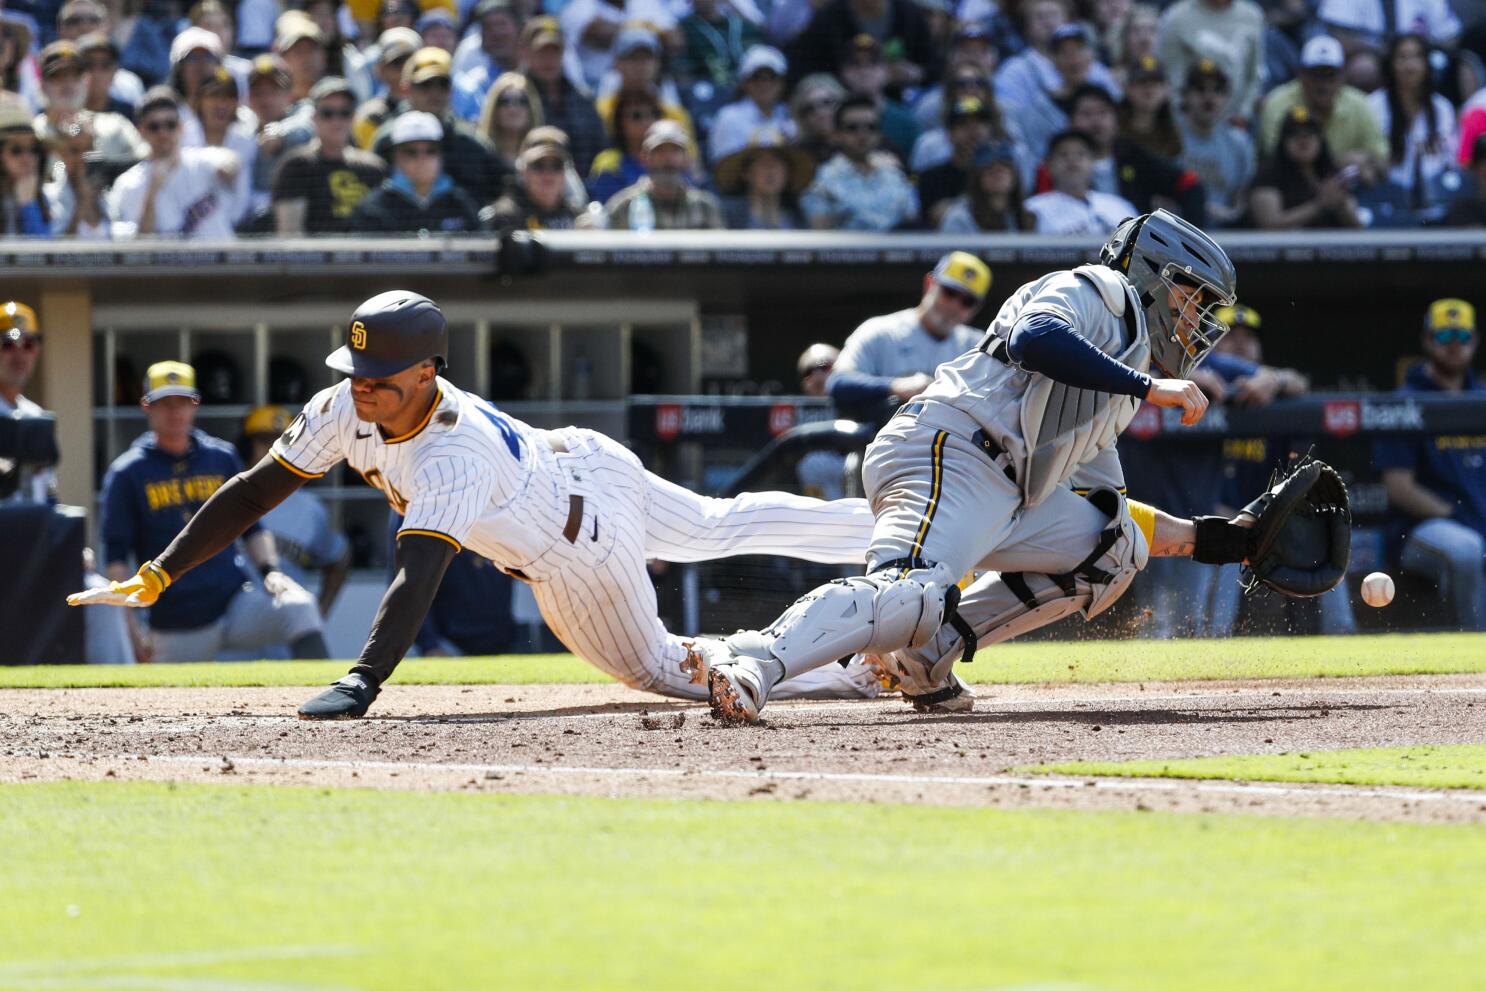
(129, 118)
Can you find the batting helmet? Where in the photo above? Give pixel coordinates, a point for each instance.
(390, 332)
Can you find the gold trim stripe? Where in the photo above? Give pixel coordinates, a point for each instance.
(438, 397)
(432, 533)
(298, 471)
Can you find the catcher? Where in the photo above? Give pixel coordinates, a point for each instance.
(1006, 465)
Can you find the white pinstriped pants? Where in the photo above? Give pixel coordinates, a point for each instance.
(600, 602)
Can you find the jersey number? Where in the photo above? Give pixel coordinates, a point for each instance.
(376, 480)
(512, 438)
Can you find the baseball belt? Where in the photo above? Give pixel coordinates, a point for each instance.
(960, 425)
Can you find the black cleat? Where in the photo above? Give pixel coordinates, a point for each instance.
(348, 698)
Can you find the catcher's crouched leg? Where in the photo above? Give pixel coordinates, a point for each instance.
(1002, 605)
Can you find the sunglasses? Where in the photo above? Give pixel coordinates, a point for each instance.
(156, 126)
(335, 113)
(860, 127)
(546, 165)
(419, 151)
(959, 296)
(1452, 335)
(23, 151)
(78, 20)
(23, 342)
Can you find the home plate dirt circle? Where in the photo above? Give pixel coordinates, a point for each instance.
(609, 741)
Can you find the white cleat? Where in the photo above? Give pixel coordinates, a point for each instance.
(956, 697)
(736, 691)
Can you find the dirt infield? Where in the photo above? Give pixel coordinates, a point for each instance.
(606, 740)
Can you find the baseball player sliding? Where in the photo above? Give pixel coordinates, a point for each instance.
(570, 511)
(1006, 465)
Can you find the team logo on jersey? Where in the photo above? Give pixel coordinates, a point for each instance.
(358, 335)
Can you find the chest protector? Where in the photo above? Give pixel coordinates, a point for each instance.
(1064, 426)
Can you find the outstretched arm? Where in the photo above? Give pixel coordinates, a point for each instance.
(1170, 536)
(420, 565)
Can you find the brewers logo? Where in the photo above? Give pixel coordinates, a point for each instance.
(358, 336)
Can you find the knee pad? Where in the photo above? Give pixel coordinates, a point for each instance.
(872, 614)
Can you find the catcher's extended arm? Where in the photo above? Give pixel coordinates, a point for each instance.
(1301, 540)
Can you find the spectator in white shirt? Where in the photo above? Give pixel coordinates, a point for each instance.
(64, 92)
(75, 192)
(1072, 207)
(226, 124)
(1418, 122)
(185, 192)
(762, 107)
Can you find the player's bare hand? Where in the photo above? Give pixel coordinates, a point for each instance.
(1258, 389)
(908, 386)
(138, 592)
(1178, 394)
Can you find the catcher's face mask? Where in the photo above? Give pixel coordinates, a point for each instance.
(1191, 306)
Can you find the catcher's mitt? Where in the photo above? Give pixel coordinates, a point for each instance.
(1301, 539)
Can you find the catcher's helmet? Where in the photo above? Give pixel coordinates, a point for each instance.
(390, 332)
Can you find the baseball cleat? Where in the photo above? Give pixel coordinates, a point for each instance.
(694, 664)
(736, 691)
(348, 698)
(956, 697)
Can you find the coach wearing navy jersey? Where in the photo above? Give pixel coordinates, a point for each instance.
(151, 490)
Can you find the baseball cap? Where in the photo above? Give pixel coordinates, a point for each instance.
(157, 98)
(1322, 52)
(220, 80)
(666, 132)
(17, 319)
(759, 58)
(540, 32)
(1149, 67)
(195, 39)
(963, 271)
(271, 67)
(293, 27)
(170, 378)
(543, 142)
(971, 31)
(1071, 31)
(61, 56)
(1298, 118)
(1204, 69)
(267, 420)
(330, 86)
(969, 106)
(490, 6)
(1450, 314)
(396, 44)
(415, 125)
(97, 41)
(817, 356)
(435, 15)
(633, 39)
(862, 44)
(1239, 316)
(990, 152)
(427, 63)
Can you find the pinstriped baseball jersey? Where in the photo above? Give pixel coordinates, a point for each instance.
(468, 473)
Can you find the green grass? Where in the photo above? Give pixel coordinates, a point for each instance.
(1454, 766)
(1012, 663)
(308, 888)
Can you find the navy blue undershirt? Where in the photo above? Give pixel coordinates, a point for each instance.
(1043, 343)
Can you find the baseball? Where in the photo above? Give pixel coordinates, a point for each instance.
(1377, 590)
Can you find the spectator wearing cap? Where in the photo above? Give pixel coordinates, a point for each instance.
(177, 191)
(319, 185)
(592, 26)
(342, 57)
(437, 28)
(1145, 114)
(1222, 155)
(759, 184)
(538, 199)
(511, 111)
(20, 349)
(165, 475)
(714, 39)
(213, 16)
(195, 54)
(761, 104)
(563, 104)
(1029, 81)
(898, 25)
(469, 161)
(814, 368)
(664, 198)
(300, 43)
(864, 71)
(861, 188)
(143, 37)
(1470, 210)
(1363, 25)
(1351, 130)
(23, 169)
(972, 123)
(280, 131)
(399, 14)
(64, 92)
(1301, 186)
(632, 112)
(418, 197)
(492, 48)
(966, 80)
(108, 86)
(1124, 168)
(74, 192)
(394, 49)
(1073, 206)
(970, 45)
(813, 107)
(1436, 485)
(637, 65)
(992, 200)
(1419, 122)
(226, 124)
(1227, 33)
(890, 359)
